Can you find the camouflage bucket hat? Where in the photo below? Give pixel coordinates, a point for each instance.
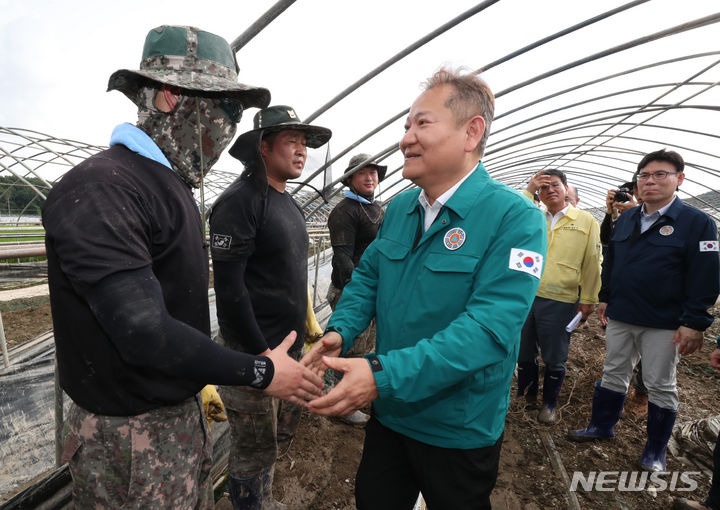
(357, 161)
(271, 120)
(191, 59)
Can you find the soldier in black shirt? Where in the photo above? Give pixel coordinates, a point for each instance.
(128, 277)
(353, 225)
(259, 246)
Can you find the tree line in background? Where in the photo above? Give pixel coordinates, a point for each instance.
(16, 197)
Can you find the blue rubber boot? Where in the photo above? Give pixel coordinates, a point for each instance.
(527, 379)
(606, 410)
(552, 383)
(659, 427)
(247, 493)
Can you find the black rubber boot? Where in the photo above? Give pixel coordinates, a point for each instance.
(247, 493)
(527, 379)
(606, 410)
(552, 383)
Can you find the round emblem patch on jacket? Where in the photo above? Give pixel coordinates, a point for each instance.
(454, 238)
(666, 230)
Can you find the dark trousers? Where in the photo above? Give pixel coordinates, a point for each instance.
(394, 469)
(713, 499)
(544, 329)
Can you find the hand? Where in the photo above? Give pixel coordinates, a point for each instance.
(537, 181)
(688, 340)
(586, 311)
(610, 200)
(624, 206)
(715, 358)
(356, 389)
(292, 381)
(329, 345)
(601, 313)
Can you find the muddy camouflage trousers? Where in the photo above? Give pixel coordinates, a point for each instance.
(156, 460)
(261, 428)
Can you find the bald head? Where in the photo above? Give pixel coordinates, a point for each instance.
(572, 195)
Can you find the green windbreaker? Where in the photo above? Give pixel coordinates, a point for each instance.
(450, 304)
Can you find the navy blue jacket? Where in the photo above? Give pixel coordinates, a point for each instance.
(667, 276)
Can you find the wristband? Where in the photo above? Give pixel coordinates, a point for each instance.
(264, 371)
(718, 342)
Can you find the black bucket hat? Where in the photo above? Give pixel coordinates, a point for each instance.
(191, 59)
(361, 161)
(271, 120)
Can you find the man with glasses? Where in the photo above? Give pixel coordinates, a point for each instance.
(128, 276)
(572, 269)
(660, 276)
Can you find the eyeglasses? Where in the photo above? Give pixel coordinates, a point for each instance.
(658, 176)
(554, 185)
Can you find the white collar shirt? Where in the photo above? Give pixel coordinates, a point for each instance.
(431, 211)
(555, 218)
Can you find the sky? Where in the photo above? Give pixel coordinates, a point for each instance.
(56, 58)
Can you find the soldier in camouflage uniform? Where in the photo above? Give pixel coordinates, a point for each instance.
(128, 275)
(259, 246)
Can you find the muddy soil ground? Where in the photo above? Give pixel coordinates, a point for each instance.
(24, 319)
(318, 471)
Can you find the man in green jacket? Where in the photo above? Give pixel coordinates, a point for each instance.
(450, 279)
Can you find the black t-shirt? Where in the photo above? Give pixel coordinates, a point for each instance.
(119, 212)
(263, 230)
(353, 226)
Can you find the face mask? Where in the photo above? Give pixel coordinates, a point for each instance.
(193, 135)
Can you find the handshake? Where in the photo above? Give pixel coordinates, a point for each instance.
(302, 382)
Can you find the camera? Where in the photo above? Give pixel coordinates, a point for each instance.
(623, 194)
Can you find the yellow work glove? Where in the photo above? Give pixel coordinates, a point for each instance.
(214, 408)
(313, 331)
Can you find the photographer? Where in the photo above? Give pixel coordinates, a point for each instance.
(617, 202)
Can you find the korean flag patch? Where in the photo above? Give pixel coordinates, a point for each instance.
(708, 246)
(526, 261)
(221, 242)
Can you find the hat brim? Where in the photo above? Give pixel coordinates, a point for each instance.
(247, 143)
(381, 170)
(128, 82)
